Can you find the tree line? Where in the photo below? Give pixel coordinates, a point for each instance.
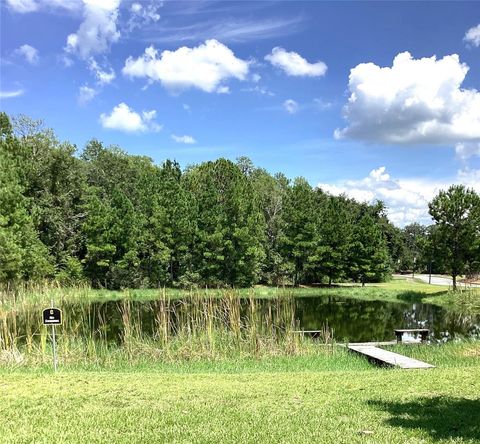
(117, 220)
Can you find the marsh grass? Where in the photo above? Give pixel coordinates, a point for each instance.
(466, 300)
(196, 327)
(174, 326)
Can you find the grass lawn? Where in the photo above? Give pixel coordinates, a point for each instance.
(395, 289)
(317, 394)
(288, 400)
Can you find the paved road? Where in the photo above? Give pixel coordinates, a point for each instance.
(441, 280)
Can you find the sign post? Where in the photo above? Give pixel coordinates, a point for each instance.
(53, 316)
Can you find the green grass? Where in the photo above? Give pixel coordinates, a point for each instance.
(447, 355)
(288, 400)
(208, 385)
(394, 290)
(310, 357)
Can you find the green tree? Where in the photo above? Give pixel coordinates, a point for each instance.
(300, 232)
(53, 182)
(230, 226)
(335, 233)
(455, 212)
(22, 254)
(415, 241)
(368, 253)
(271, 193)
(171, 226)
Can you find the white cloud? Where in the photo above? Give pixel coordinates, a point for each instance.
(25, 6)
(294, 64)
(470, 178)
(465, 150)
(124, 118)
(85, 94)
(223, 89)
(321, 104)
(67, 61)
(11, 94)
(136, 8)
(406, 199)
(414, 101)
(184, 139)
(104, 77)
(22, 6)
(256, 78)
(97, 31)
(226, 30)
(69, 5)
(204, 67)
(259, 90)
(29, 53)
(472, 36)
(290, 106)
(186, 107)
(142, 15)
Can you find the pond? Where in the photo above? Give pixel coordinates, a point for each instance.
(362, 321)
(348, 319)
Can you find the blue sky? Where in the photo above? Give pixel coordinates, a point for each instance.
(375, 100)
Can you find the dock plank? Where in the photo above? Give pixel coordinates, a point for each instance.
(388, 357)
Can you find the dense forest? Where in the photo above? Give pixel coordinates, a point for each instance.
(117, 220)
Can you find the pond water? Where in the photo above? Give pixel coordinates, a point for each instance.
(362, 321)
(349, 319)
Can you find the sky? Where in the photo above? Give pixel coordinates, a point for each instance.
(376, 100)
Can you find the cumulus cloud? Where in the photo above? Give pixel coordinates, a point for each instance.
(103, 75)
(406, 199)
(189, 140)
(294, 64)
(97, 31)
(204, 67)
(11, 94)
(414, 101)
(472, 36)
(290, 106)
(124, 118)
(29, 53)
(86, 94)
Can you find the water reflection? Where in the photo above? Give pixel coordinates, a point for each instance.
(362, 321)
(350, 319)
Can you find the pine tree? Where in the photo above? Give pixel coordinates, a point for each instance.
(456, 212)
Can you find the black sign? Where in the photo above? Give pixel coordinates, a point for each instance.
(52, 316)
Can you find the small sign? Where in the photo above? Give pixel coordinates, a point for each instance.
(52, 316)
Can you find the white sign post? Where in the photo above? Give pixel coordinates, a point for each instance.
(53, 316)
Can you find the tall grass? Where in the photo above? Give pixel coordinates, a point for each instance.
(166, 329)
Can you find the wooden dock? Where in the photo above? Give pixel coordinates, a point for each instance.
(382, 356)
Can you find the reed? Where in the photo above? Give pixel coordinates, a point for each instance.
(198, 326)
(468, 300)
